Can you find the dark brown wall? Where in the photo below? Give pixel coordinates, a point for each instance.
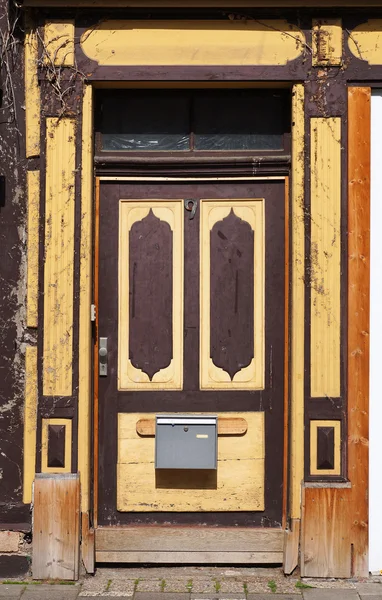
(13, 333)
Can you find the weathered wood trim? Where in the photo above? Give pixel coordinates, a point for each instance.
(32, 91)
(30, 422)
(291, 546)
(179, 539)
(56, 540)
(325, 257)
(358, 319)
(192, 557)
(59, 252)
(87, 543)
(198, 3)
(297, 302)
(33, 183)
(85, 335)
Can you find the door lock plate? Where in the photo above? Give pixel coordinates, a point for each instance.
(102, 352)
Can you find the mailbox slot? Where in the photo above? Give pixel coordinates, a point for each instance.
(185, 442)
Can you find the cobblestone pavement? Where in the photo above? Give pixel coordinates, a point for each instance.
(194, 583)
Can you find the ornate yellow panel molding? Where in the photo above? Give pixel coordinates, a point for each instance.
(33, 181)
(252, 376)
(327, 42)
(365, 41)
(30, 422)
(272, 42)
(237, 485)
(325, 255)
(59, 256)
(65, 445)
(170, 377)
(297, 300)
(331, 429)
(32, 92)
(59, 42)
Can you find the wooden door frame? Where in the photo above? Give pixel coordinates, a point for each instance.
(293, 457)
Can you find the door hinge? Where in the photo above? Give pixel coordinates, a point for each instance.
(93, 312)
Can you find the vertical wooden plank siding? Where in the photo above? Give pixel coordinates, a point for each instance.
(85, 341)
(32, 92)
(56, 527)
(325, 256)
(33, 181)
(30, 422)
(358, 318)
(59, 248)
(297, 303)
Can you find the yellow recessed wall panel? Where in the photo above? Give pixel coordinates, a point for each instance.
(30, 422)
(325, 257)
(59, 257)
(191, 42)
(33, 181)
(237, 485)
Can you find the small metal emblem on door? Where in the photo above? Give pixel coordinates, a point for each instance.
(102, 356)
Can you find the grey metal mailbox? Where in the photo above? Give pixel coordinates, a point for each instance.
(186, 442)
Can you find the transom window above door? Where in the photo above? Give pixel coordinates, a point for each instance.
(193, 120)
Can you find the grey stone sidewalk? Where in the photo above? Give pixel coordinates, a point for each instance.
(35, 591)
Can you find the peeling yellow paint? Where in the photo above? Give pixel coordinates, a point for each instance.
(191, 42)
(59, 257)
(32, 92)
(238, 484)
(327, 42)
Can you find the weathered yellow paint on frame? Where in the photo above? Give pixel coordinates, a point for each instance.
(85, 339)
(59, 257)
(237, 485)
(211, 376)
(33, 183)
(297, 302)
(32, 91)
(325, 255)
(326, 42)
(30, 422)
(59, 42)
(67, 423)
(129, 377)
(192, 42)
(365, 41)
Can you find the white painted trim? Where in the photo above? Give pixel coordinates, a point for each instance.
(375, 448)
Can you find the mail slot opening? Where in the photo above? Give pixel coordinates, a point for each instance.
(185, 442)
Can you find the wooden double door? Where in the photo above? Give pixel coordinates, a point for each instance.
(191, 316)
